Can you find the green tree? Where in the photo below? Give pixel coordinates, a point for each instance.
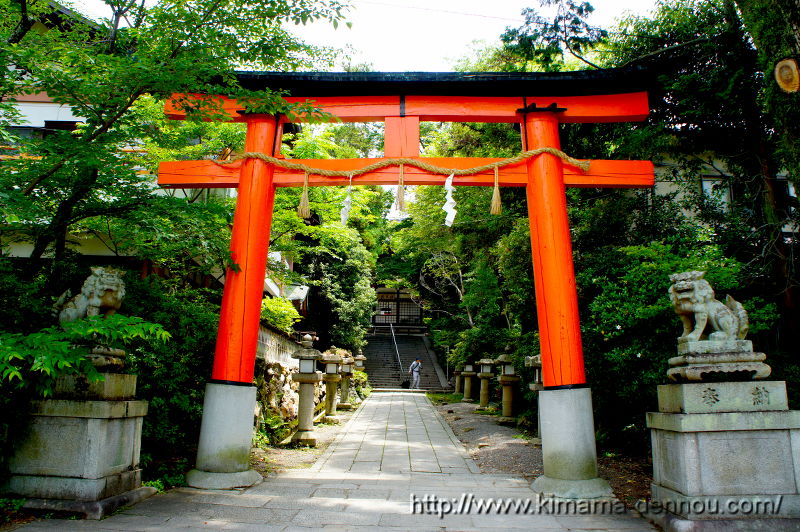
(103, 70)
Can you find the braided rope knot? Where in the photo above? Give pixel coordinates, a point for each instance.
(417, 163)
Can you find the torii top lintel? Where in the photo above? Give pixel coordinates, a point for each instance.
(613, 95)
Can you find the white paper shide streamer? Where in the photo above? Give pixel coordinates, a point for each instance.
(450, 203)
(347, 203)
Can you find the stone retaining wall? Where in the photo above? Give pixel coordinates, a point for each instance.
(276, 347)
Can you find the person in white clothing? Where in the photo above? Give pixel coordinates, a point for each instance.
(414, 370)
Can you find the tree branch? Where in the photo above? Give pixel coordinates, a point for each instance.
(23, 26)
(88, 138)
(667, 49)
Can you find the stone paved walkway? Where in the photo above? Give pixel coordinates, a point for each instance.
(394, 448)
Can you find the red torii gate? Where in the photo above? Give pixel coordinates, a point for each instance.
(538, 102)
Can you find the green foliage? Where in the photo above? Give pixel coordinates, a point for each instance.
(114, 74)
(172, 376)
(36, 360)
(273, 429)
(543, 42)
(360, 383)
(10, 506)
(444, 398)
(280, 313)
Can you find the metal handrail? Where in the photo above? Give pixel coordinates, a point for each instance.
(396, 350)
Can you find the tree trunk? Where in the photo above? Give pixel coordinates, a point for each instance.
(56, 231)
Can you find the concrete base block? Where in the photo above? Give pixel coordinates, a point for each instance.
(223, 481)
(594, 488)
(568, 446)
(733, 454)
(331, 420)
(508, 421)
(79, 450)
(226, 432)
(92, 509)
(75, 489)
(344, 406)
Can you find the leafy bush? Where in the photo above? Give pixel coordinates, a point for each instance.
(360, 383)
(280, 313)
(172, 376)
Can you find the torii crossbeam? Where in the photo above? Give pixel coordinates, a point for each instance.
(538, 102)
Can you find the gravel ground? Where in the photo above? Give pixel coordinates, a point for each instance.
(500, 449)
(495, 448)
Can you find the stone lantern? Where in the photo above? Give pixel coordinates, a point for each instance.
(331, 377)
(307, 377)
(507, 378)
(347, 372)
(457, 377)
(485, 374)
(467, 375)
(359, 358)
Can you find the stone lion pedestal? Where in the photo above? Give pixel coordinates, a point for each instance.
(81, 450)
(80, 453)
(726, 447)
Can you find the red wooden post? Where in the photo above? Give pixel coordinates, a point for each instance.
(551, 246)
(234, 358)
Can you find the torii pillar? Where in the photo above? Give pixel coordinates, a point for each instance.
(567, 426)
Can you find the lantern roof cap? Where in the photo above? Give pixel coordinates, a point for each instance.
(331, 358)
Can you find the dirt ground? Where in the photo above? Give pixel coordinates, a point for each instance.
(272, 460)
(501, 449)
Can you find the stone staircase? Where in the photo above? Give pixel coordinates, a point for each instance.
(381, 363)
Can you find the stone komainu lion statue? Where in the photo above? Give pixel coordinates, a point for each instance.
(101, 294)
(693, 299)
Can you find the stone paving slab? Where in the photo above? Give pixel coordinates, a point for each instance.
(395, 449)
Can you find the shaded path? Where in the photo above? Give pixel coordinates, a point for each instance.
(395, 447)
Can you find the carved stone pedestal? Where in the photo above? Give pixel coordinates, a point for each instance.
(331, 399)
(725, 457)
(81, 453)
(344, 390)
(457, 379)
(484, 390)
(468, 375)
(305, 409)
(508, 382)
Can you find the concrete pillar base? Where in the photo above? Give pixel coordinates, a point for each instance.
(568, 446)
(593, 488)
(226, 436)
(344, 406)
(305, 437)
(223, 481)
(331, 420)
(507, 420)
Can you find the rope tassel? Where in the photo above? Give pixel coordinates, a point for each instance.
(497, 206)
(400, 198)
(304, 209)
